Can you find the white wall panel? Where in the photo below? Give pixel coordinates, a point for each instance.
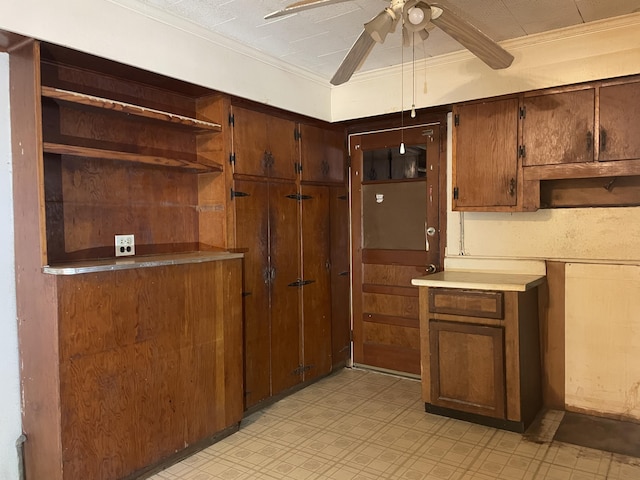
(602, 332)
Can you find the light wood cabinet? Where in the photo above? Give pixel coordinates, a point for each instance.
(480, 355)
(549, 148)
(485, 170)
(557, 128)
(619, 110)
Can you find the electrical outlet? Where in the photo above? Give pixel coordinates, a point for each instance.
(125, 245)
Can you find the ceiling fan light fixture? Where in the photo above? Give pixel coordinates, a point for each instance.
(416, 15)
(381, 25)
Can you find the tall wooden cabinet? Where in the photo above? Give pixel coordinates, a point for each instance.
(125, 364)
(284, 177)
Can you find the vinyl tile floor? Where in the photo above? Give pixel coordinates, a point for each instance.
(363, 425)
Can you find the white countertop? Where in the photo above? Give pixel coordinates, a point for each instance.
(143, 261)
(476, 280)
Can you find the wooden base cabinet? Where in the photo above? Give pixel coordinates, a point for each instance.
(480, 355)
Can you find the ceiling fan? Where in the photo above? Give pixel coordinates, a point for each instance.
(417, 17)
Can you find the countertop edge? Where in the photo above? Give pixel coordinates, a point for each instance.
(128, 263)
(488, 283)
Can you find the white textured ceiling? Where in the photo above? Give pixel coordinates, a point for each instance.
(317, 40)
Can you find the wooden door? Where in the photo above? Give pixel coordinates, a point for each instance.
(316, 276)
(322, 154)
(467, 367)
(286, 361)
(619, 120)
(263, 145)
(340, 276)
(558, 128)
(252, 238)
(485, 156)
(395, 200)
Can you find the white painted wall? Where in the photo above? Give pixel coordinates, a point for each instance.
(603, 338)
(112, 31)
(10, 417)
(603, 49)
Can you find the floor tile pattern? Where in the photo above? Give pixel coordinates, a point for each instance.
(364, 425)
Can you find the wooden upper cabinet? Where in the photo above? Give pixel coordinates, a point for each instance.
(558, 128)
(485, 168)
(322, 154)
(263, 145)
(619, 120)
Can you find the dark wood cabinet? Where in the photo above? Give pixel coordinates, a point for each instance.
(480, 353)
(485, 169)
(263, 145)
(286, 358)
(619, 110)
(558, 127)
(340, 277)
(315, 223)
(476, 350)
(109, 348)
(322, 154)
(136, 346)
(252, 231)
(284, 177)
(267, 234)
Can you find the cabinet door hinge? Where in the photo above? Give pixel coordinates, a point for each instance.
(456, 119)
(232, 120)
(232, 158)
(523, 112)
(235, 193)
(297, 134)
(299, 197)
(522, 151)
(455, 193)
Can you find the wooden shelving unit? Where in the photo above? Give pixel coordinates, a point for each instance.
(128, 108)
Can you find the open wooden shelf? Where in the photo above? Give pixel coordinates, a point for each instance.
(618, 168)
(128, 108)
(63, 149)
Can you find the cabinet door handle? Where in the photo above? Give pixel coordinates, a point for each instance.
(512, 187)
(589, 141)
(603, 139)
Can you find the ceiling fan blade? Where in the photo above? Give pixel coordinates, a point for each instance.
(301, 6)
(470, 37)
(354, 58)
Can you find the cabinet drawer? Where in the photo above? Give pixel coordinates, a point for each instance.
(472, 303)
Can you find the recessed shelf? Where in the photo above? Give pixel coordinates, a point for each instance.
(128, 108)
(78, 151)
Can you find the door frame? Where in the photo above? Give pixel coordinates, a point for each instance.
(394, 135)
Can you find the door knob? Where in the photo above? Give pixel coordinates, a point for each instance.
(432, 268)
